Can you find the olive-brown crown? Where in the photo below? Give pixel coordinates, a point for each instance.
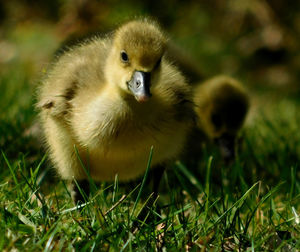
(142, 43)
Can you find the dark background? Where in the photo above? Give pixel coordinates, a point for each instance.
(254, 40)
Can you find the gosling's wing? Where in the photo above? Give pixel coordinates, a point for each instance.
(177, 92)
(75, 72)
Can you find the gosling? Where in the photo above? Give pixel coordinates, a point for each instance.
(221, 105)
(113, 98)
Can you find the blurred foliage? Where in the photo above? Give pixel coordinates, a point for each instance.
(255, 40)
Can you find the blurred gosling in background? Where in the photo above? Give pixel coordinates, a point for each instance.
(221, 105)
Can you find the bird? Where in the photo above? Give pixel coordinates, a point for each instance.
(221, 106)
(105, 102)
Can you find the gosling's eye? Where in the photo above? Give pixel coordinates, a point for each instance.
(124, 56)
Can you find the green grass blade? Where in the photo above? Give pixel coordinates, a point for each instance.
(91, 181)
(207, 185)
(11, 169)
(190, 176)
(143, 182)
(234, 205)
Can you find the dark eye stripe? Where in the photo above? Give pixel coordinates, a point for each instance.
(157, 63)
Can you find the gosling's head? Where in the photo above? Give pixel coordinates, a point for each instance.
(228, 109)
(135, 58)
(227, 117)
(223, 112)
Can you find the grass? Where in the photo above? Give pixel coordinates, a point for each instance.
(251, 205)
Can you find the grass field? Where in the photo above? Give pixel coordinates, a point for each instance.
(252, 205)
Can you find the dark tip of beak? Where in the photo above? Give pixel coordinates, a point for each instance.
(227, 147)
(139, 85)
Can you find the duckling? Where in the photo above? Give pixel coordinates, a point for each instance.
(221, 105)
(113, 98)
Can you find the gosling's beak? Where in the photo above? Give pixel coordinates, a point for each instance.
(226, 144)
(139, 85)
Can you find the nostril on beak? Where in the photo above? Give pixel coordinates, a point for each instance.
(138, 83)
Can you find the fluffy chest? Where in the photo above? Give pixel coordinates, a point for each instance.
(118, 138)
(126, 151)
(111, 121)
